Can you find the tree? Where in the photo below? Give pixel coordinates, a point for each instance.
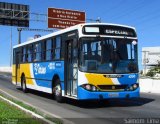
(151, 73)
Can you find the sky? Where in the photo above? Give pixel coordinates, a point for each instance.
(144, 15)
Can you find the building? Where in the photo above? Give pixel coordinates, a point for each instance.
(150, 57)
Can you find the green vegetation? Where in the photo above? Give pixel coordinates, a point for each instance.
(9, 113)
(55, 120)
(155, 70)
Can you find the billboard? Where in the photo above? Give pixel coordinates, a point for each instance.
(150, 56)
(61, 18)
(14, 14)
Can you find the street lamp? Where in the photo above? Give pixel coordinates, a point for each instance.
(19, 34)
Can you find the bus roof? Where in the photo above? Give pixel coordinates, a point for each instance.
(78, 27)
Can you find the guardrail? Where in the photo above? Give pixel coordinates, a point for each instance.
(149, 85)
(6, 69)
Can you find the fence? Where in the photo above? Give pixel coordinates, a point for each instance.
(150, 85)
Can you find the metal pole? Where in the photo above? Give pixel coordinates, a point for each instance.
(19, 35)
(145, 61)
(11, 49)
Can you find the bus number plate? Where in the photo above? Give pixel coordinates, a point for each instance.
(113, 95)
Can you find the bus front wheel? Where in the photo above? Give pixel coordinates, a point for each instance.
(58, 91)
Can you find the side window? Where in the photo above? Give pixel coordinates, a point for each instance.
(20, 55)
(48, 49)
(62, 49)
(37, 52)
(43, 50)
(57, 47)
(30, 51)
(24, 54)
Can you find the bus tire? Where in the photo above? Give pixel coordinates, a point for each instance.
(23, 84)
(58, 91)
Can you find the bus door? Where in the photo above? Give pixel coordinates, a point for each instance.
(71, 67)
(17, 69)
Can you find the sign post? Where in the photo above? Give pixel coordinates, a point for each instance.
(61, 18)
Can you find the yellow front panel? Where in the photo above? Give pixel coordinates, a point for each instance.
(98, 79)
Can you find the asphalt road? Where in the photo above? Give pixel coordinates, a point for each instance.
(90, 112)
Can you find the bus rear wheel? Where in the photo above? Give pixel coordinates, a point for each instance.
(23, 84)
(58, 91)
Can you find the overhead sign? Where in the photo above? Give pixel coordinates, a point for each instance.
(61, 18)
(14, 14)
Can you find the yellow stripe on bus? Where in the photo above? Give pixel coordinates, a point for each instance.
(25, 68)
(98, 79)
(13, 73)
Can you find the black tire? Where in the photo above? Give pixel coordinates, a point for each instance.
(23, 84)
(57, 90)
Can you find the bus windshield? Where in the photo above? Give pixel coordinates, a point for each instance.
(108, 55)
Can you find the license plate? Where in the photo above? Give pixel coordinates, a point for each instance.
(113, 95)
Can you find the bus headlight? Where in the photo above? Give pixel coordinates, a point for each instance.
(94, 88)
(133, 87)
(89, 87)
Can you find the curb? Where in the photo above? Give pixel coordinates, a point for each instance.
(64, 121)
(27, 111)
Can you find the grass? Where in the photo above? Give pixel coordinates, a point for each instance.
(55, 120)
(9, 113)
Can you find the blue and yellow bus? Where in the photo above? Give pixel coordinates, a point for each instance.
(88, 61)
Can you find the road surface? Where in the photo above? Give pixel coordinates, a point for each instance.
(91, 112)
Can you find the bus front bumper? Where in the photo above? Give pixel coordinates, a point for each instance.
(89, 95)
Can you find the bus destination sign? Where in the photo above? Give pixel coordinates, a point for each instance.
(60, 18)
(109, 30)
